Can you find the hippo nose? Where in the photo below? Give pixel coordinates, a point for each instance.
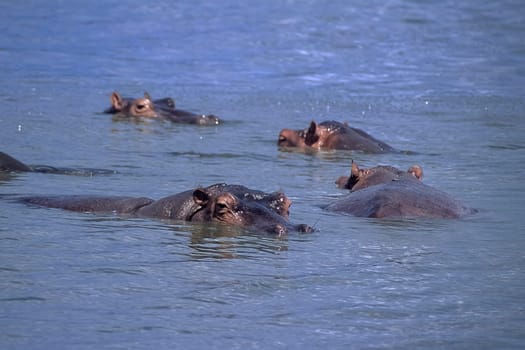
(279, 230)
(305, 228)
(209, 119)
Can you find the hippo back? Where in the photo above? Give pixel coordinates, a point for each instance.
(8, 163)
(87, 203)
(346, 137)
(400, 199)
(180, 206)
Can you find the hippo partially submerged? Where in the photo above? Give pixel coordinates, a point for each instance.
(330, 135)
(121, 104)
(219, 203)
(10, 164)
(162, 109)
(362, 178)
(385, 192)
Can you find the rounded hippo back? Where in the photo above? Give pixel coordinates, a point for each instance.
(400, 199)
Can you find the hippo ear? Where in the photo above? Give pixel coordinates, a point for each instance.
(147, 96)
(355, 169)
(354, 176)
(200, 196)
(116, 101)
(311, 136)
(417, 171)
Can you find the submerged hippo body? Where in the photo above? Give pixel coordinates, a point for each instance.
(387, 192)
(163, 109)
(10, 164)
(212, 204)
(400, 199)
(330, 135)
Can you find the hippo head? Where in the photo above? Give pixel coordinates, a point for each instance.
(299, 138)
(315, 136)
(140, 107)
(227, 208)
(363, 178)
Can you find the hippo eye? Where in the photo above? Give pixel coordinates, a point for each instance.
(141, 106)
(221, 207)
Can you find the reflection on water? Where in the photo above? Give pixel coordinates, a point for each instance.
(230, 242)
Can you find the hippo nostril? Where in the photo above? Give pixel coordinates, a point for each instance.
(304, 228)
(279, 230)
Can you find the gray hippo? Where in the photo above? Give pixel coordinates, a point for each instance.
(10, 164)
(330, 135)
(163, 109)
(387, 192)
(219, 203)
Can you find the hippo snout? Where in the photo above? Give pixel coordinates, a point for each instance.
(209, 119)
(304, 228)
(279, 230)
(288, 138)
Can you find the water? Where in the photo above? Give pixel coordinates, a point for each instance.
(442, 79)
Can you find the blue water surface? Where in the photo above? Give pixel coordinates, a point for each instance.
(441, 79)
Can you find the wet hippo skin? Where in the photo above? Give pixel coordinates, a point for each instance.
(362, 178)
(241, 206)
(387, 192)
(121, 104)
(162, 109)
(11, 164)
(330, 135)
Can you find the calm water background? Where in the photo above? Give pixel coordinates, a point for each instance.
(441, 78)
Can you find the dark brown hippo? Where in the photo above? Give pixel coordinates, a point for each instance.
(330, 135)
(386, 192)
(163, 109)
(10, 164)
(216, 203)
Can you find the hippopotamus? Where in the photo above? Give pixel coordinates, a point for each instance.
(219, 203)
(362, 178)
(120, 104)
(332, 135)
(10, 164)
(162, 109)
(387, 192)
